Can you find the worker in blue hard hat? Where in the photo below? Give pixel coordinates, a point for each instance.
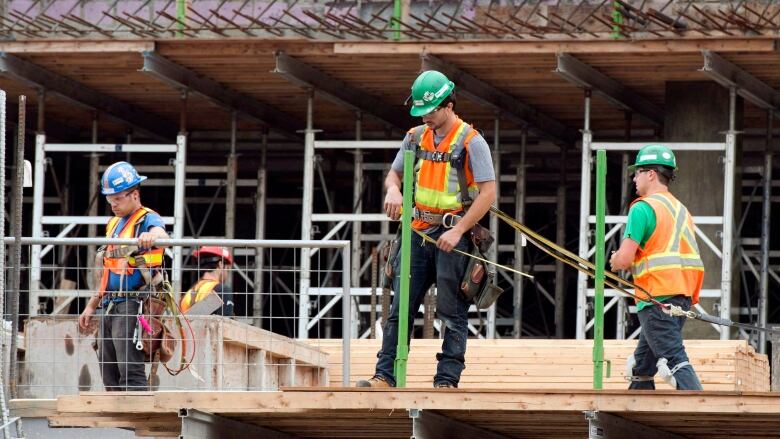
(128, 274)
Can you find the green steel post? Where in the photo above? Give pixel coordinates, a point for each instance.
(397, 19)
(181, 15)
(617, 21)
(402, 351)
(598, 327)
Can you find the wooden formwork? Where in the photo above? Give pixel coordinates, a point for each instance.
(555, 364)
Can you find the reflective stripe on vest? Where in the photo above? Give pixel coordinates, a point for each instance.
(118, 264)
(669, 263)
(437, 187)
(198, 292)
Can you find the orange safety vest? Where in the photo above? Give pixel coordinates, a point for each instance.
(198, 292)
(669, 264)
(112, 263)
(437, 185)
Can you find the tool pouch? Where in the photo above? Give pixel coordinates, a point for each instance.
(161, 339)
(481, 238)
(477, 284)
(389, 256)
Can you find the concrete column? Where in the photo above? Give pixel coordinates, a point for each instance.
(699, 112)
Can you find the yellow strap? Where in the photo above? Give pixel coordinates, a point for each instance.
(431, 240)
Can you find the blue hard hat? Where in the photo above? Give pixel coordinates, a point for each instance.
(119, 177)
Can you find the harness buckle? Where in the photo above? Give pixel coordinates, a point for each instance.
(438, 156)
(449, 220)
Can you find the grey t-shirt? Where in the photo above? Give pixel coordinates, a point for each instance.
(480, 162)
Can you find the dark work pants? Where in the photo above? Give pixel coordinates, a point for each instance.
(121, 364)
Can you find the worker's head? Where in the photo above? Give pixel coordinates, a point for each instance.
(215, 259)
(433, 98)
(121, 186)
(654, 166)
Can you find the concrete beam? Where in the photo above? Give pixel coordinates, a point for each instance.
(340, 92)
(431, 425)
(607, 426)
(485, 94)
(748, 86)
(180, 77)
(37, 77)
(200, 425)
(585, 76)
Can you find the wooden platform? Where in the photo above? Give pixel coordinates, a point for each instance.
(354, 413)
(554, 364)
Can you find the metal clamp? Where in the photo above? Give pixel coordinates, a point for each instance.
(449, 220)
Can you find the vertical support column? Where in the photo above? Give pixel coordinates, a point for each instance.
(728, 216)
(520, 216)
(178, 208)
(346, 311)
(308, 192)
(230, 190)
(357, 204)
(766, 213)
(37, 227)
(40, 127)
(94, 182)
(582, 280)
(560, 240)
(257, 301)
(490, 333)
(178, 192)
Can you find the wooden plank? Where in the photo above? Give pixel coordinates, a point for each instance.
(33, 408)
(552, 47)
(81, 47)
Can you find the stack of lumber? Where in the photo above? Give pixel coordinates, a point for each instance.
(555, 364)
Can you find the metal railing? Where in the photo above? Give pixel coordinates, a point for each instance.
(241, 351)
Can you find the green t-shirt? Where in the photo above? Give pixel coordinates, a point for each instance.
(640, 226)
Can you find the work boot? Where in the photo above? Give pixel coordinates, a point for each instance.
(375, 382)
(444, 385)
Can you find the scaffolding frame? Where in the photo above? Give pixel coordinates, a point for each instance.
(726, 220)
(39, 220)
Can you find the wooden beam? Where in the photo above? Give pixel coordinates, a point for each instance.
(37, 77)
(490, 96)
(75, 46)
(180, 77)
(33, 408)
(748, 86)
(340, 92)
(585, 76)
(553, 47)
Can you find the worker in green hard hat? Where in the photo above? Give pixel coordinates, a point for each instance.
(455, 185)
(659, 246)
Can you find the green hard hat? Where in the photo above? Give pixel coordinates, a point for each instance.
(428, 91)
(654, 155)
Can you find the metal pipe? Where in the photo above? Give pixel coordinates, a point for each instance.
(560, 240)
(230, 190)
(94, 181)
(357, 226)
(257, 301)
(598, 305)
(183, 112)
(182, 242)
(346, 311)
(582, 281)
(178, 207)
(517, 314)
(490, 333)
(402, 350)
(766, 213)
(3, 266)
(728, 218)
(306, 222)
(37, 227)
(16, 225)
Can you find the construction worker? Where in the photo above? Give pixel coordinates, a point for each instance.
(454, 175)
(659, 246)
(127, 272)
(217, 262)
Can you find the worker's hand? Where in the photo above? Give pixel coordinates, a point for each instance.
(146, 240)
(86, 317)
(448, 240)
(393, 202)
(612, 261)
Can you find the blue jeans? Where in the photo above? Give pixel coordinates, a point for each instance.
(430, 265)
(661, 337)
